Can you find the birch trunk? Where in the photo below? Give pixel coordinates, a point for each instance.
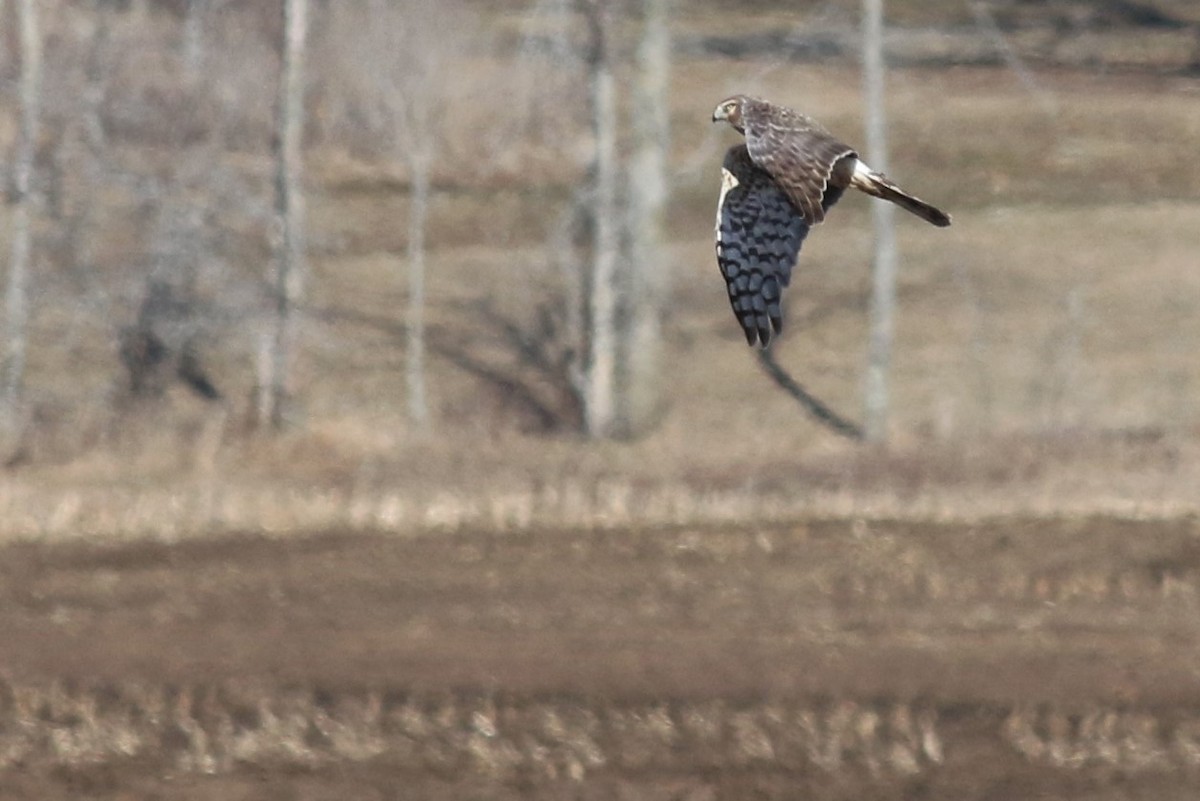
(88, 143)
(3, 51)
(193, 39)
(883, 268)
(647, 278)
(289, 205)
(599, 395)
(16, 303)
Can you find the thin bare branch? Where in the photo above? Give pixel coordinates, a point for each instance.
(811, 403)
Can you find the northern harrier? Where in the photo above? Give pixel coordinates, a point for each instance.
(774, 188)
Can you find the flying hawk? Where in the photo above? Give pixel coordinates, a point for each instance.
(774, 188)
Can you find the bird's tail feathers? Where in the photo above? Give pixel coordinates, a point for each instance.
(879, 185)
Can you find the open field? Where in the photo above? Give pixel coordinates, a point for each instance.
(1011, 658)
(1051, 325)
(1001, 603)
(1081, 186)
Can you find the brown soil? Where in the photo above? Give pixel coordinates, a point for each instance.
(824, 660)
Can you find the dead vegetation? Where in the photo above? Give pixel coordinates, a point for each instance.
(1047, 316)
(869, 656)
(219, 729)
(1057, 309)
(222, 729)
(737, 603)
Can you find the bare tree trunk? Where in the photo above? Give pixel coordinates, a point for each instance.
(3, 42)
(17, 295)
(289, 205)
(193, 38)
(84, 148)
(883, 289)
(414, 324)
(647, 279)
(600, 386)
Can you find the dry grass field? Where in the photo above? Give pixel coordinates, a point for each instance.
(1044, 359)
(831, 659)
(1001, 603)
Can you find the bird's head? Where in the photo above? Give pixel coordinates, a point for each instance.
(730, 111)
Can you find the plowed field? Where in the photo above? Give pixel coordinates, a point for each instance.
(826, 660)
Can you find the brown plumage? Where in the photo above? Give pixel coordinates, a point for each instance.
(776, 186)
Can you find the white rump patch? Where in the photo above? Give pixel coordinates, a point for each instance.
(865, 178)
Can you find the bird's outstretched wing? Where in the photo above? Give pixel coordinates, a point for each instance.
(759, 233)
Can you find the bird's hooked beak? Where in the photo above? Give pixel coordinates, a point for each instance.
(729, 111)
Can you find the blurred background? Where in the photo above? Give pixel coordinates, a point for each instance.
(439, 345)
(281, 277)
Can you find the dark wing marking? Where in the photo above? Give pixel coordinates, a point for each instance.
(805, 159)
(759, 233)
